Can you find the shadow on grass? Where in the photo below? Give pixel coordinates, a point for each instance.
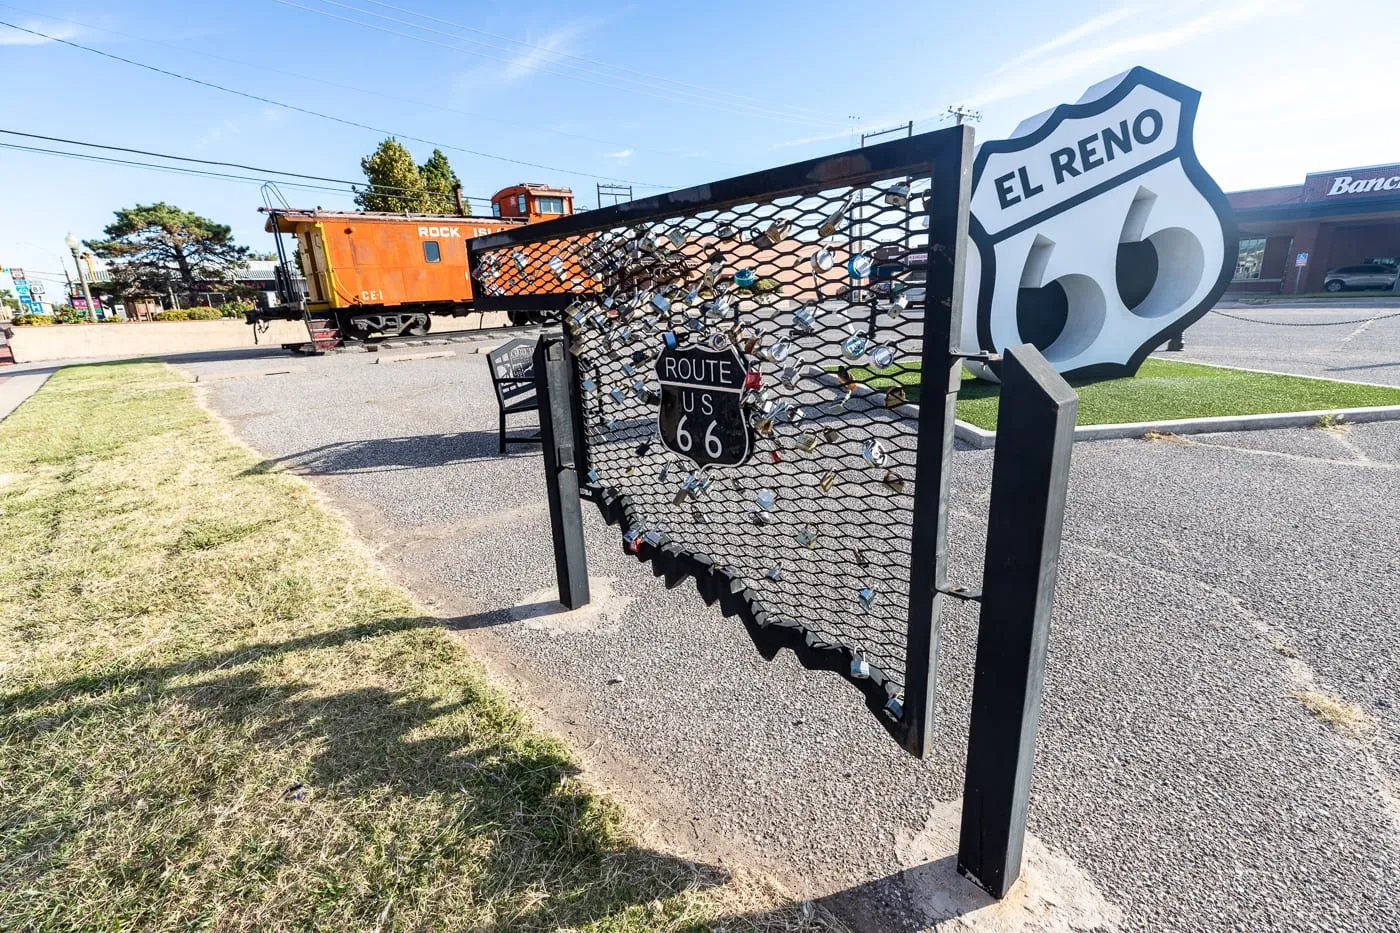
(485, 780)
(391, 454)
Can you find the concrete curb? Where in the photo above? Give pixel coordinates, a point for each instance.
(983, 439)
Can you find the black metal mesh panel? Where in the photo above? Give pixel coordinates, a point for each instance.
(822, 292)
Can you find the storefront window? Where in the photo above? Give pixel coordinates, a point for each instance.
(1251, 259)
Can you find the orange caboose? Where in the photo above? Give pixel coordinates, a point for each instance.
(373, 274)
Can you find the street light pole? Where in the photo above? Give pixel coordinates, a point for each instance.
(73, 243)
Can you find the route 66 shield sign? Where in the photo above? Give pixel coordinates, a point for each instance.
(1096, 233)
(701, 416)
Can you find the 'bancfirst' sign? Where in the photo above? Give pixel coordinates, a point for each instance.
(1095, 231)
(1346, 184)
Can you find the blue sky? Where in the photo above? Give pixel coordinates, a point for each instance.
(665, 95)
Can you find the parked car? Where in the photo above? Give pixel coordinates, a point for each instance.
(1369, 276)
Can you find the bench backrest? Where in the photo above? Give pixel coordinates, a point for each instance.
(511, 362)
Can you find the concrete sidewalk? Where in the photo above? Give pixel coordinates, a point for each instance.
(15, 387)
(1207, 588)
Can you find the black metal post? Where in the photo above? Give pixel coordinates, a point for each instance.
(1030, 475)
(552, 385)
(928, 547)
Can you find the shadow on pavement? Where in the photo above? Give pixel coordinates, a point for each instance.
(389, 454)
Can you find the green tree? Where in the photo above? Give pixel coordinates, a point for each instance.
(439, 179)
(8, 299)
(395, 183)
(158, 248)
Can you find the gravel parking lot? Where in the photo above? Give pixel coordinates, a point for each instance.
(1209, 589)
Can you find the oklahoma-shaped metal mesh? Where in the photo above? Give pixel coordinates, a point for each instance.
(749, 358)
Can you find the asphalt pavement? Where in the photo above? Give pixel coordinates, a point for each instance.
(1205, 586)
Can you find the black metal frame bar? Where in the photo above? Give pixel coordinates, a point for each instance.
(1030, 476)
(942, 376)
(553, 378)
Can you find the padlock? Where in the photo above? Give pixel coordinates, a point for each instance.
(676, 236)
(895, 397)
(661, 303)
(557, 266)
(778, 350)
(791, 373)
(882, 357)
(807, 536)
(828, 481)
(753, 380)
(853, 347)
(777, 232)
(804, 319)
(822, 260)
(745, 278)
(617, 395)
(859, 266)
(892, 481)
(767, 498)
(866, 598)
(833, 221)
(896, 306)
(860, 668)
(774, 573)
(874, 452)
(897, 195)
(632, 541)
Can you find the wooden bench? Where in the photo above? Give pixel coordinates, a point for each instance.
(513, 378)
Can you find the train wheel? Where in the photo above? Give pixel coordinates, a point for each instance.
(418, 326)
(520, 318)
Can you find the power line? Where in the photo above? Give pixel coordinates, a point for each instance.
(184, 49)
(713, 92)
(174, 169)
(315, 113)
(660, 93)
(249, 168)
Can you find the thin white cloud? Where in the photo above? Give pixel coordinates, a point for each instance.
(1102, 58)
(1083, 30)
(15, 37)
(541, 52)
(619, 154)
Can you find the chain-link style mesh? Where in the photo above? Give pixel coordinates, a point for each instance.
(822, 292)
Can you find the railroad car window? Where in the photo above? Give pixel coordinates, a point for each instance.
(431, 252)
(549, 205)
(520, 203)
(495, 208)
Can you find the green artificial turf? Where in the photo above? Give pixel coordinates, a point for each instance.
(1162, 390)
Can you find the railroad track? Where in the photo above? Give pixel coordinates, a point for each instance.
(308, 348)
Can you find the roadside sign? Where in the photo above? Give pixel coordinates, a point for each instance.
(36, 288)
(17, 274)
(1302, 260)
(701, 416)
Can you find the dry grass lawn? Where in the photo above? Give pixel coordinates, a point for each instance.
(215, 714)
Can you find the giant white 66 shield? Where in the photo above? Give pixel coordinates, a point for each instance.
(1096, 232)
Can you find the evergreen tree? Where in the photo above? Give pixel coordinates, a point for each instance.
(395, 183)
(439, 179)
(156, 248)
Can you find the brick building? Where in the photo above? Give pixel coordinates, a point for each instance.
(1337, 218)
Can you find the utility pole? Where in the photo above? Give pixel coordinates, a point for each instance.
(73, 243)
(457, 194)
(906, 128)
(961, 113)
